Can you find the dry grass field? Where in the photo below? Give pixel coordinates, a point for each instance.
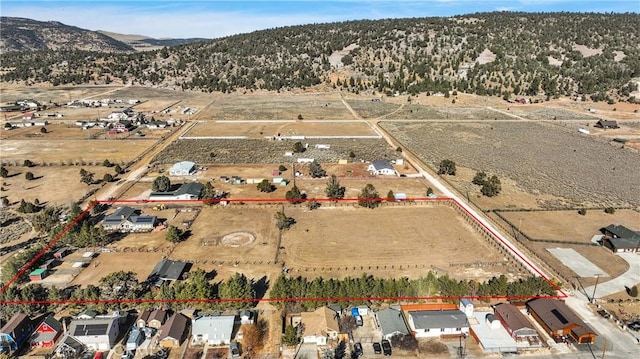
(569, 225)
(269, 106)
(62, 151)
(543, 157)
(388, 241)
(58, 94)
(259, 130)
(54, 132)
(59, 185)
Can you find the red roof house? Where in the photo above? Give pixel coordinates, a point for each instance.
(47, 332)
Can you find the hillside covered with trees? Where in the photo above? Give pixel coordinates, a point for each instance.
(498, 54)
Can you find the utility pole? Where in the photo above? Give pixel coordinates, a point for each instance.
(593, 296)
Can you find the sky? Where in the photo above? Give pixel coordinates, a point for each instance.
(214, 18)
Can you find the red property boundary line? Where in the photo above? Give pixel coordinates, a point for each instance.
(513, 252)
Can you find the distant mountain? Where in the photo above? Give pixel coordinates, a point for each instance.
(497, 54)
(142, 43)
(19, 34)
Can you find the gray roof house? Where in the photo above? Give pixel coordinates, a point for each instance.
(126, 219)
(607, 124)
(212, 330)
(186, 192)
(382, 167)
(391, 322)
(97, 334)
(437, 323)
(517, 325)
(619, 238)
(167, 270)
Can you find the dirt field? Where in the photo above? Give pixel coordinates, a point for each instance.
(61, 151)
(259, 130)
(47, 187)
(569, 225)
(258, 106)
(622, 305)
(61, 94)
(341, 241)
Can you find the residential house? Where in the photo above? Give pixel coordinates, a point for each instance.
(212, 330)
(172, 331)
(391, 322)
(517, 325)
(619, 238)
(437, 323)
(560, 322)
(47, 332)
(186, 192)
(605, 124)
(382, 167)
(15, 332)
(184, 168)
(156, 318)
(143, 316)
(320, 326)
(62, 252)
(125, 219)
(97, 333)
(168, 270)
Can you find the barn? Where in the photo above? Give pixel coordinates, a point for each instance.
(184, 168)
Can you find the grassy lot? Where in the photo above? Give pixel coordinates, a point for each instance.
(57, 152)
(259, 130)
(312, 106)
(388, 241)
(59, 185)
(372, 109)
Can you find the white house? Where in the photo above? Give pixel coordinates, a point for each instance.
(436, 323)
(97, 334)
(466, 306)
(184, 168)
(212, 330)
(382, 168)
(319, 326)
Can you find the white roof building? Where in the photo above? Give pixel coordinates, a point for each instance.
(184, 168)
(213, 330)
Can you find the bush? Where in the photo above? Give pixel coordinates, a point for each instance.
(266, 186)
(491, 187)
(582, 211)
(480, 178)
(161, 184)
(609, 210)
(29, 176)
(633, 291)
(28, 163)
(282, 168)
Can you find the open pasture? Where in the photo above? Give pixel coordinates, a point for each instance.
(54, 185)
(569, 225)
(277, 107)
(543, 157)
(258, 130)
(55, 94)
(54, 132)
(372, 108)
(407, 240)
(63, 151)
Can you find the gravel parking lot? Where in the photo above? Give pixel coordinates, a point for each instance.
(540, 157)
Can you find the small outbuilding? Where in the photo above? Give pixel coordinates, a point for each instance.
(37, 274)
(605, 124)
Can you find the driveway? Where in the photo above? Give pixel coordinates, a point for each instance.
(629, 278)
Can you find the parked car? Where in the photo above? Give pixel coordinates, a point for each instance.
(386, 347)
(635, 325)
(377, 349)
(603, 313)
(235, 351)
(359, 321)
(357, 350)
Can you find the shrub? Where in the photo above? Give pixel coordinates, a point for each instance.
(447, 167)
(633, 291)
(582, 211)
(609, 210)
(29, 176)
